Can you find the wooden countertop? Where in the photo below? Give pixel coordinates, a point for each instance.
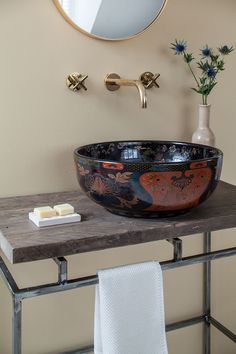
(21, 241)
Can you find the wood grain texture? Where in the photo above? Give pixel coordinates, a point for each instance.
(22, 241)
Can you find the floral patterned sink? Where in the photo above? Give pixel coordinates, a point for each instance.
(148, 178)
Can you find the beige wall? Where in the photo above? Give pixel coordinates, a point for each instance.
(41, 122)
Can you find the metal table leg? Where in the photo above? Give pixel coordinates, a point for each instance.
(16, 324)
(207, 295)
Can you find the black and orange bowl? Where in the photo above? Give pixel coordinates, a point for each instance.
(148, 178)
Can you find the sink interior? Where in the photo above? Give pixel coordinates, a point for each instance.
(147, 151)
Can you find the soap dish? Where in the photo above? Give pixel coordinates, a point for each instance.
(55, 220)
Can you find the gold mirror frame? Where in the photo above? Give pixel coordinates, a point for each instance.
(73, 24)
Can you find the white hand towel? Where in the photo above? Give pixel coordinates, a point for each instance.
(129, 310)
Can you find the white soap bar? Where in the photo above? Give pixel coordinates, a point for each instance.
(64, 209)
(55, 220)
(45, 212)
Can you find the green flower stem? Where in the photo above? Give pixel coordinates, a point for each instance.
(193, 75)
(190, 68)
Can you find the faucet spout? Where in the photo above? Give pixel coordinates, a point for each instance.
(113, 83)
(142, 93)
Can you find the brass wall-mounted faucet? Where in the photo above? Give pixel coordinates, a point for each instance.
(147, 80)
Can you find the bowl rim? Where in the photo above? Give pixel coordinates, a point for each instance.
(218, 152)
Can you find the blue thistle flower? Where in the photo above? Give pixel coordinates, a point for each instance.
(210, 64)
(225, 50)
(206, 52)
(179, 46)
(211, 71)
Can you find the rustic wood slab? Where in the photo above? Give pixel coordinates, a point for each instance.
(22, 241)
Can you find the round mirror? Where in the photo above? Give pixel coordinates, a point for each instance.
(111, 19)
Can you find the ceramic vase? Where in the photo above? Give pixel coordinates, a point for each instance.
(204, 135)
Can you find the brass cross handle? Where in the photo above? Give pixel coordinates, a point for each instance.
(75, 81)
(149, 79)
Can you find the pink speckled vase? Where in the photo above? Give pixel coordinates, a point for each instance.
(204, 135)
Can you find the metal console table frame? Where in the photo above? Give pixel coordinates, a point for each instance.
(64, 284)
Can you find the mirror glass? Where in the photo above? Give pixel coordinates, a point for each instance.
(111, 19)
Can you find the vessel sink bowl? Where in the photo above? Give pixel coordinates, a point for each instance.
(148, 178)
